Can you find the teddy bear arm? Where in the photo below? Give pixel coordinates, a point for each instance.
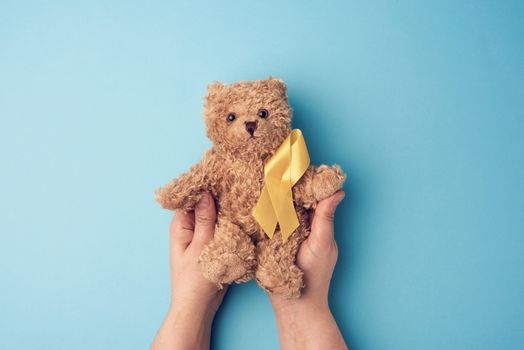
(184, 192)
(317, 183)
(327, 180)
(303, 190)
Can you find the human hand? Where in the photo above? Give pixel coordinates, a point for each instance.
(307, 322)
(318, 254)
(194, 300)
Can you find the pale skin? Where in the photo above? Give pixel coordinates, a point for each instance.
(304, 323)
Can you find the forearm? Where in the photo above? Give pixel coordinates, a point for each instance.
(185, 329)
(307, 324)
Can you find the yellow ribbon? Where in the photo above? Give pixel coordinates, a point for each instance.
(281, 173)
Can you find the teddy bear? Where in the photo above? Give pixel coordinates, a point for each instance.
(247, 121)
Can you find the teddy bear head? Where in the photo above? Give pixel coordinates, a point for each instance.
(247, 119)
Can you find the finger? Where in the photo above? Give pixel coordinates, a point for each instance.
(322, 225)
(310, 216)
(181, 230)
(205, 219)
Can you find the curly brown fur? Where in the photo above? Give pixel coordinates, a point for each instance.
(230, 256)
(233, 171)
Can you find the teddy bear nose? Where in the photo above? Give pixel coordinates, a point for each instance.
(251, 127)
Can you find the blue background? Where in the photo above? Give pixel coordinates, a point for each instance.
(422, 103)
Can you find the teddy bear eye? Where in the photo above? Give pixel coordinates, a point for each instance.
(263, 113)
(231, 117)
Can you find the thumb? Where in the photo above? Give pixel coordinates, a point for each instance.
(205, 218)
(322, 225)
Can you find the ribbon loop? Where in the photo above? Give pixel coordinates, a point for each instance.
(281, 172)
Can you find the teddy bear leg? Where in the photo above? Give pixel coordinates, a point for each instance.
(229, 256)
(276, 271)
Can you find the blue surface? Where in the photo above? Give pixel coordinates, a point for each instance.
(421, 102)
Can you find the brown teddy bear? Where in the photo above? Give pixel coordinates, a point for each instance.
(247, 121)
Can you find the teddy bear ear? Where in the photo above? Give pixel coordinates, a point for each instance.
(214, 89)
(277, 84)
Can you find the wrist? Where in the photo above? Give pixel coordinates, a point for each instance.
(306, 323)
(191, 311)
(200, 304)
(184, 329)
(193, 323)
(306, 303)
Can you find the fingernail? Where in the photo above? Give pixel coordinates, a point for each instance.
(203, 203)
(337, 202)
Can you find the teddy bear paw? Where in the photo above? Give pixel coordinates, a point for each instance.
(227, 268)
(327, 180)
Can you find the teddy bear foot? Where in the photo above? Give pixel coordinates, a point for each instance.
(288, 285)
(227, 268)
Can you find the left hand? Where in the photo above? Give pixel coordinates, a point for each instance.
(194, 300)
(189, 233)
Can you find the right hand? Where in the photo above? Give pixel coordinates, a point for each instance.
(317, 255)
(307, 322)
